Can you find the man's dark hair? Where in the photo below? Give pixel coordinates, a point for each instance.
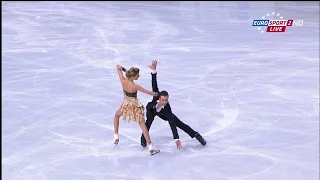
(163, 93)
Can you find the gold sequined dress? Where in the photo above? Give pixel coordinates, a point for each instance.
(132, 109)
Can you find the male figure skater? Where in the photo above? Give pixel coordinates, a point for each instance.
(159, 106)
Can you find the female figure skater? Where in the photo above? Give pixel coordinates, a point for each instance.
(131, 109)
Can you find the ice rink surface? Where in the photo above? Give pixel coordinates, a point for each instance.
(253, 95)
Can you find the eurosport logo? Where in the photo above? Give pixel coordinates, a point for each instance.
(274, 23)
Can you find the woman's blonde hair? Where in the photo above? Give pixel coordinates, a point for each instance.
(132, 72)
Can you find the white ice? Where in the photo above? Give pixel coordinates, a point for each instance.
(254, 96)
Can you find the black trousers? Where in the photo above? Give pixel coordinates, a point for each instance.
(187, 129)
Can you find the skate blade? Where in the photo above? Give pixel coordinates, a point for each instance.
(116, 142)
(153, 152)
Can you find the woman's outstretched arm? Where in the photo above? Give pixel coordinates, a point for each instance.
(141, 89)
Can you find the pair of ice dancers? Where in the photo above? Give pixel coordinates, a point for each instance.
(131, 109)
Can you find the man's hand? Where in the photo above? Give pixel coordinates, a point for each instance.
(178, 143)
(119, 67)
(153, 65)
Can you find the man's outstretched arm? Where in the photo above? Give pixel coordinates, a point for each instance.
(154, 82)
(173, 126)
